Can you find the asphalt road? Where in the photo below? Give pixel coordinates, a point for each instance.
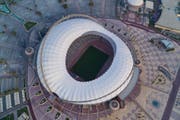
(172, 97)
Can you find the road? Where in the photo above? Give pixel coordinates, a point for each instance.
(172, 97)
(13, 109)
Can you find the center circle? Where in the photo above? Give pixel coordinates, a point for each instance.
(88, 57)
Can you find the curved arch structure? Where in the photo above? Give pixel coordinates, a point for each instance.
(51, 64)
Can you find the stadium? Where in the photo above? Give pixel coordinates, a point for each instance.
(96, 84)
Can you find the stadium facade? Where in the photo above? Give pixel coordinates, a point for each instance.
(53, 73)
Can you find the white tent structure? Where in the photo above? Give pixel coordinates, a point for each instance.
(136, 2)
(51, 64)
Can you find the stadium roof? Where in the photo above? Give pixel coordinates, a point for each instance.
(51, 64)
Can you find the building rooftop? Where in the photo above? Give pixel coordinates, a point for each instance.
(169, 18)
(135, 2)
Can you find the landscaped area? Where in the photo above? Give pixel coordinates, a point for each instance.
(8, 117)
(49, 108)
(38, 93)
(28, 25)
(22, 110)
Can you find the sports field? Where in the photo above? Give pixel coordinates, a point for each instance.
(90, 63)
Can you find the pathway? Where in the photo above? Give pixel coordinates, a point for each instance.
(172, 97)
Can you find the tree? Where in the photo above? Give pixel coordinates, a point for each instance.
(13, 33)
(60, 1)
(65, 6)
(91, 3)
(38, 13)
(3, 61)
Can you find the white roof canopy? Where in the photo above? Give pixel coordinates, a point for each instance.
(150, 4)
(135, 2)
(51, 64)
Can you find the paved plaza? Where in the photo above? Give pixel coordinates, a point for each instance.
(20, 85)
(175, 114)
(149, 89)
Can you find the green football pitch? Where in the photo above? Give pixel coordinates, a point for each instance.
(90, 63)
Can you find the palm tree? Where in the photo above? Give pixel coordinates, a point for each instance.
(65, 6)
(91, 4)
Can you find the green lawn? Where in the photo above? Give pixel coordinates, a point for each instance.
(22, 110)
(8, 117)
(90, 63)
(28, 25)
